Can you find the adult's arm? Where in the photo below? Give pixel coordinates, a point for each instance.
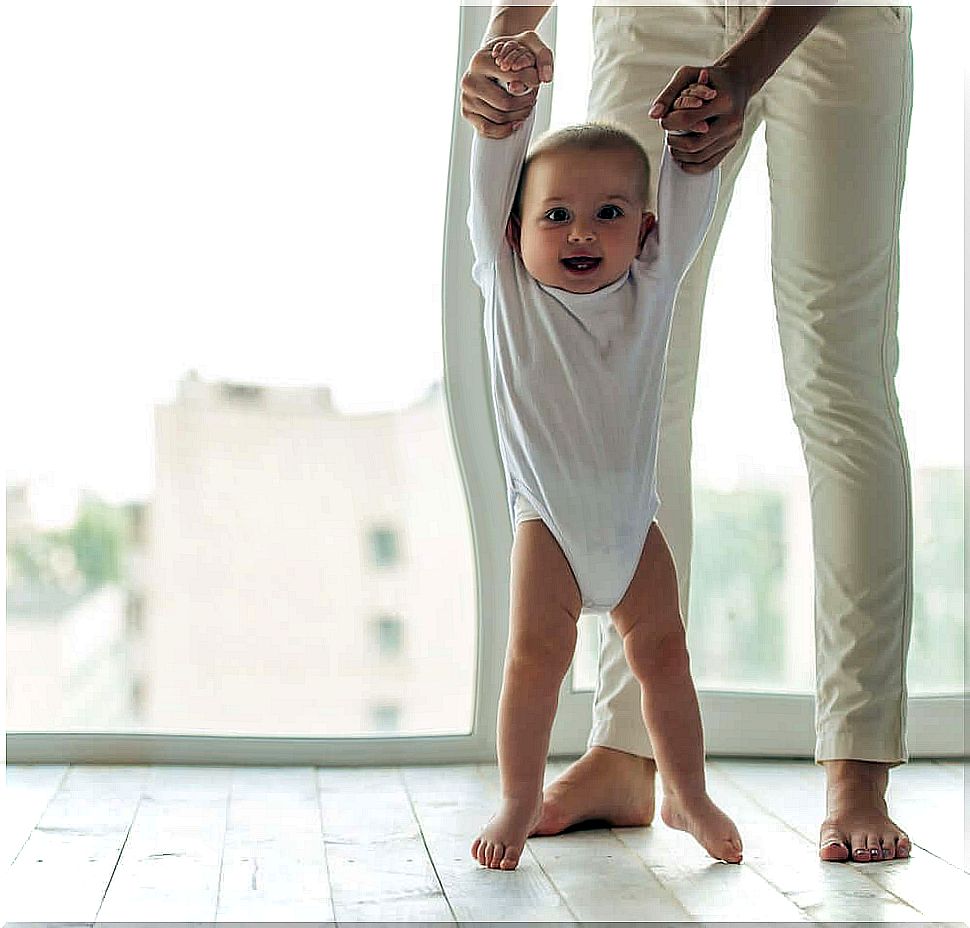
(739, 73)
(487, 105)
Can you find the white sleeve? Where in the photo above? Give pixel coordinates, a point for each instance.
(494, 176)
(685, 206)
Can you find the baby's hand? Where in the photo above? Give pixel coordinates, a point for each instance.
(513, 56)
(691, 97)
(694, 95)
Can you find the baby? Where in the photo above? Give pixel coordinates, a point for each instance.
(579, 282)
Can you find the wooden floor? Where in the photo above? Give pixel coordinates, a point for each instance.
(202, 844)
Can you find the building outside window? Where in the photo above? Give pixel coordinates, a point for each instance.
(385, 717)
(384, 547)
(389, 635)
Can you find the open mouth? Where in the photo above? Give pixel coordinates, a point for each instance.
(581, 265)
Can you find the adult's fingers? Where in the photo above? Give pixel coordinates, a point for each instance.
(686, 120)
(706, 158)
(705, 166)
(696, 146)
(488, 129)
(683, 77)
(480, 94)
(493, 103)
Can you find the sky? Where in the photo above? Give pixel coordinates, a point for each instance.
(215, 186)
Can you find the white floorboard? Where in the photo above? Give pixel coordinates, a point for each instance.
(170, 867)
(793, 791)
(274, 861)
(331, 846)
(379, 867)
(27, 791)
(74, 846)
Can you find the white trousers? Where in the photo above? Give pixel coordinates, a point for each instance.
(836, 116)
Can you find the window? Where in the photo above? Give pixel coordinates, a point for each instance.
(388, 634)
(385, 717)
(278, 430)
(384, 547)
(242, 393)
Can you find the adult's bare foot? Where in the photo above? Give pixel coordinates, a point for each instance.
(603, 784)
(857, 825)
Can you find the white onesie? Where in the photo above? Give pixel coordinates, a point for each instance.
(577, 377)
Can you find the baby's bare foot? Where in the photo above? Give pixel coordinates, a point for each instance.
(500, 844)
(714, 831)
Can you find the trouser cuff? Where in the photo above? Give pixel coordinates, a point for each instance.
(844, 746)
(607, 736)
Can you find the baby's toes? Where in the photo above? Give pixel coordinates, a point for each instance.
(496, 850)
(511, 858)
(477, 849)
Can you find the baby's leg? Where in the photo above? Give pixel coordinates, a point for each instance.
(544, 607)
(655, 643)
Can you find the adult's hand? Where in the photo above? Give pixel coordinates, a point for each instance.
(712, 129)
(485, 102)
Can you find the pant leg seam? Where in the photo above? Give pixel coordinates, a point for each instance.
(893, 413)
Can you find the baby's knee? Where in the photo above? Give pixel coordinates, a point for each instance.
(650, 654)
(545, 647)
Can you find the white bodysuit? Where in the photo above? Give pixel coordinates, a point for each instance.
(577, 377)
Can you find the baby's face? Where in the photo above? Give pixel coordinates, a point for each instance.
(580, 203)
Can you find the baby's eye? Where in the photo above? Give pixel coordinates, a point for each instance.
(559, 214)
(619, 212)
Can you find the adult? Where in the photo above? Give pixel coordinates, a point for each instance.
(833, 86)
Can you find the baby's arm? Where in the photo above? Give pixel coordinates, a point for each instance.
(685, 207)
(495, 163)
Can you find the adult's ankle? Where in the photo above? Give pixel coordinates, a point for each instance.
(855, 774)
(617, 754)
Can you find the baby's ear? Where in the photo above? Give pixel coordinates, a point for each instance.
(648, 223)
(513, 231)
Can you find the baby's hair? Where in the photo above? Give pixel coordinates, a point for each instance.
(587, 137)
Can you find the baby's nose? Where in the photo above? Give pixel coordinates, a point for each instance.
(581, 235)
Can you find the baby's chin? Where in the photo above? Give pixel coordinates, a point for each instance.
(573, 285)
